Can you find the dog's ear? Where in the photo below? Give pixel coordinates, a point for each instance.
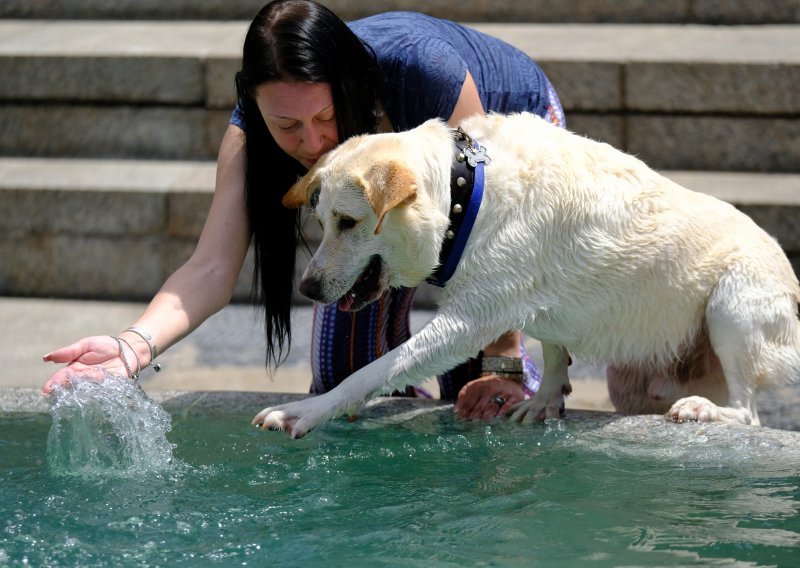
(299, 194)
(389, 184)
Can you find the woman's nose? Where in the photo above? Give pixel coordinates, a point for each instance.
(313, 139)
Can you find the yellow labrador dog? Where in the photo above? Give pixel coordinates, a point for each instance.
(577, 244)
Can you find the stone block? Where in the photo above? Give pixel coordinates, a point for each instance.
(475, 10)
(783, 223)
(729, 12)
(733, 12)
(715, 142)
(100, 131)
(586, 85)
(126, 80)
(221, 82)
(688, 87)
(608, 128)
(82, 212)
(70, 266)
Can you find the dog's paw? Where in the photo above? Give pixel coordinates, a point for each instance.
(297, 418)
(536, 409)
(693, 409)
(699, 409)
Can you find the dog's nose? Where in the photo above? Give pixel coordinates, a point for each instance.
(311, 287)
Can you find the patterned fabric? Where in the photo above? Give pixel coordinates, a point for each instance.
(343, 342)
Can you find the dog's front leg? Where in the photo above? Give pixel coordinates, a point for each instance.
(549, 401)
(444, 342)
(299, 418)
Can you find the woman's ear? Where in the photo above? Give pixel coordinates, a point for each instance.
(388, 185)
(299, 194)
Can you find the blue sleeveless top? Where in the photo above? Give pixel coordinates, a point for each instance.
(424, 61)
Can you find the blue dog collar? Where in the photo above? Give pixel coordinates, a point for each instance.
(466, 194)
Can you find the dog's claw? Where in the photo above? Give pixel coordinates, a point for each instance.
(296, 418)
(693, 409)
(536, 410)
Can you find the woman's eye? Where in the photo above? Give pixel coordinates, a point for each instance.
(346, 223)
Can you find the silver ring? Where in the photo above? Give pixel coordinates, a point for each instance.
(498, 400)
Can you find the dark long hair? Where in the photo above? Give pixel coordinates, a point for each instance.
(293, 40)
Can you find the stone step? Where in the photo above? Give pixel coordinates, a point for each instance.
(731, 12)
(681, 97)
(115, 229)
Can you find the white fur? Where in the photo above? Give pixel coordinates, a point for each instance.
(582, 247)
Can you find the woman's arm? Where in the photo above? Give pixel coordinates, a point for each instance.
(468, 103)
(198, 289)
(205, 283)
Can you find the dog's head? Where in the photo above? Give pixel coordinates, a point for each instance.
(369, 196)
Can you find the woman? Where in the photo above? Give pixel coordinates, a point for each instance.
(309, 81)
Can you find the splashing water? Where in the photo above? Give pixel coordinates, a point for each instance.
(107, 426)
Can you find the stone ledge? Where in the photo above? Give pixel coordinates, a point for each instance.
(117, 131)
(685, 141)
(44, 186)
(643, 430)
(117, 228)
(731, 12)
(608, 68)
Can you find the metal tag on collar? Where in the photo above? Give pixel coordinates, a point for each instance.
(473, 152)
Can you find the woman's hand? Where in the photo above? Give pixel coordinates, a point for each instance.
(83, 358)
(487, 398)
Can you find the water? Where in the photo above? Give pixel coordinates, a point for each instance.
(107, 426)
(414, 488)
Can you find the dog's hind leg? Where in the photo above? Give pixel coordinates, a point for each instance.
(755, 334)
(549, 401)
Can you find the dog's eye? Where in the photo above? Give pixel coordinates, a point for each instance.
(346, 223)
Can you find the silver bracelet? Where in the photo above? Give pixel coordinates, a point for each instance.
(124, 361)
(134, 376)
(148, 339)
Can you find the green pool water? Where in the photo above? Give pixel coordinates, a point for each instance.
(414, 488)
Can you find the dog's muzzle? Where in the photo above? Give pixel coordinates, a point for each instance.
(366, 289)
(312, 288)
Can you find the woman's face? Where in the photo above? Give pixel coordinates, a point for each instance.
(300, 116)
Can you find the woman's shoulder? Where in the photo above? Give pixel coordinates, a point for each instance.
(413, 35)
(398, 21)
(407, 39)
(403, 29)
